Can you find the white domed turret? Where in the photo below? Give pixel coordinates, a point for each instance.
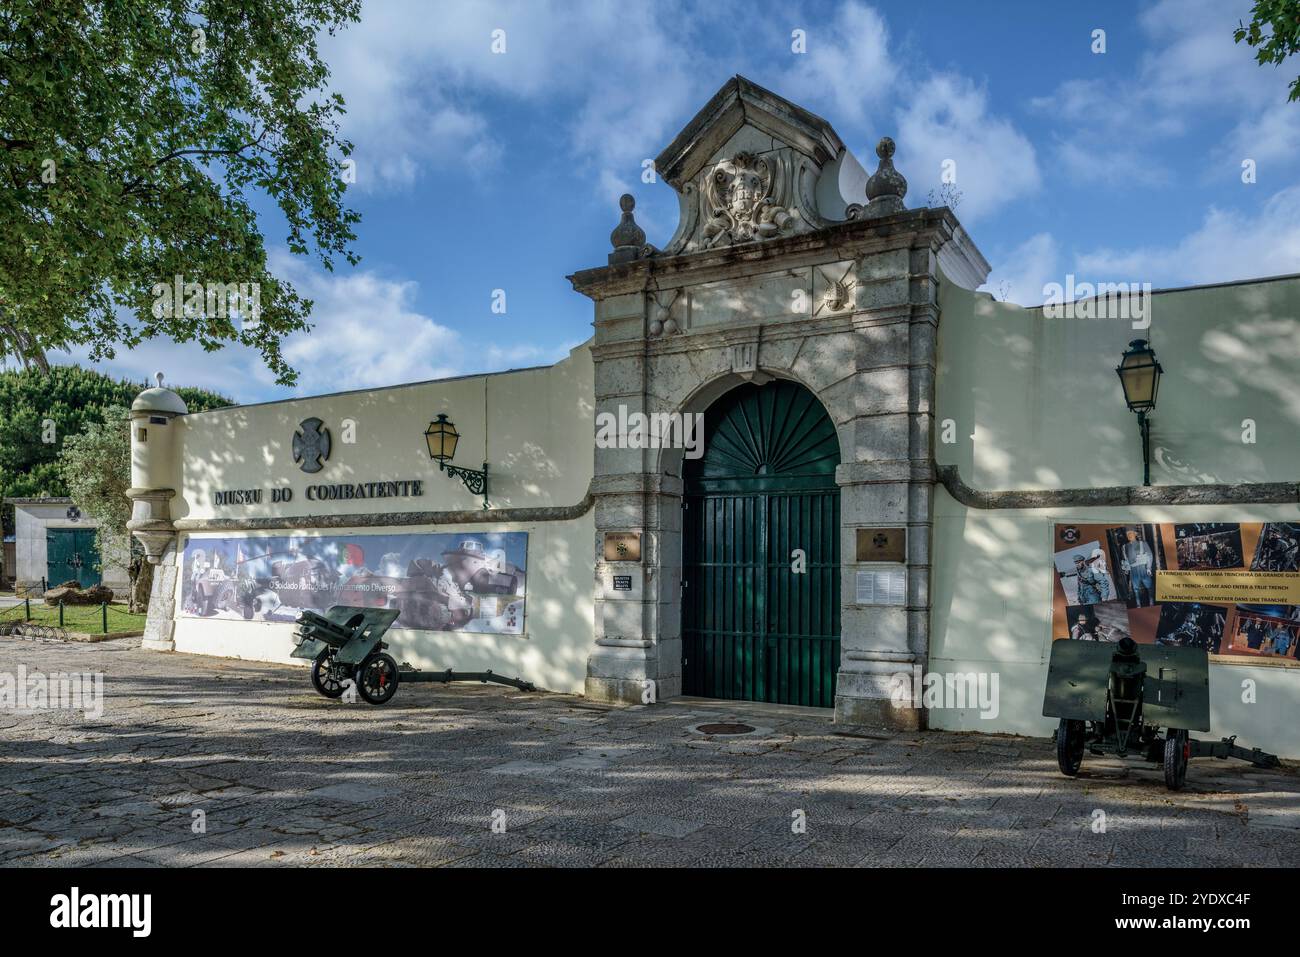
(155, 466)
(160, 400)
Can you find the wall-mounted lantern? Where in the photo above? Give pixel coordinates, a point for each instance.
(441, 437)
(1139, 374)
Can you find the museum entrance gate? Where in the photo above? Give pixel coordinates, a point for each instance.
(760, 622)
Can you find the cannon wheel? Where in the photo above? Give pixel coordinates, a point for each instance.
(1069, 746)
(1178, 748)
(321, 678)
(377, 679)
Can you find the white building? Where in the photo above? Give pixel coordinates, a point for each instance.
(54, 542)
(895, 472)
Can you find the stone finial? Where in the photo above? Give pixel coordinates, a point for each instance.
(627, 238)
(886, 187)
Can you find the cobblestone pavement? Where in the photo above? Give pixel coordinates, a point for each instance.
(283, 776)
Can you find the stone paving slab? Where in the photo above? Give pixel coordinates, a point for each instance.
(207, 762)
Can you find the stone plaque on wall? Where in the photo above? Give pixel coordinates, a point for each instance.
(882, 545)
(622, 546)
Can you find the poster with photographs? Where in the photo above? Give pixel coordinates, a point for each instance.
(1229, 588)
(441, 582)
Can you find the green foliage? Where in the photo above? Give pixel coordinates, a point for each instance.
(66, 401)
(1281, 18)
(134, 135)
(96, 470)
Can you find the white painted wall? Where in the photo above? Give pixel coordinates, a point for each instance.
(1046, 410)
(533, 427)
(1045, 406)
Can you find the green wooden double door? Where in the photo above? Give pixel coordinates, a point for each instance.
(70, 555)
(761, 539)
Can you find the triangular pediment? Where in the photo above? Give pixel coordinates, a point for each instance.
(738, 103)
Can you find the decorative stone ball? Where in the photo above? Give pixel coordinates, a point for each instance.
(670, 325)
(656, 327)
(627, 234)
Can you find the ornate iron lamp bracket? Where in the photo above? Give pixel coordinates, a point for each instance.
(475, 480)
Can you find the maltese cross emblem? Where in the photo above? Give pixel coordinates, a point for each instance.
(311, 445)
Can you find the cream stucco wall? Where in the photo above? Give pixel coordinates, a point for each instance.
(534, 429)
(1046, 411)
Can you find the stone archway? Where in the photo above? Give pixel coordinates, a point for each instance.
(760, 541)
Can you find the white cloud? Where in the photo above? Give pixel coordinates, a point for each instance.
(366, 332)
(1229, 245)
(1020, 275)
(1195, 62)
(948, 119)
(1115, 164)
(1192, 63)
(1192, 72)
(235, 372)
(1270, 137)
(847, 65)
(422, 84)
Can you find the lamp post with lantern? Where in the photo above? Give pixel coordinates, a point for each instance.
(1139, 373)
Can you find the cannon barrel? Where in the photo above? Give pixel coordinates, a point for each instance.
(348, 632)
(320, 628)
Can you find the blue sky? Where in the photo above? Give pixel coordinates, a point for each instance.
(479, 171)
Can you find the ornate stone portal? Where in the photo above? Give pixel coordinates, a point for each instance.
(778, 270)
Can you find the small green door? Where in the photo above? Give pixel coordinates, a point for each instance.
(760, 622)
(71, 556)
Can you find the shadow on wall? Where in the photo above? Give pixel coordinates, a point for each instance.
(1042, 399)
(534, 427)
(992, 596)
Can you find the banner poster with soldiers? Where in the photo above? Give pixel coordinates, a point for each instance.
(472, 582)
(1227, 587)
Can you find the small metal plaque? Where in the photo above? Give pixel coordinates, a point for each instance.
(622, 583)
(622, 546)
(882, 545)
(886, 587)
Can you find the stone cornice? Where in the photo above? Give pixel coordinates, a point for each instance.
(1256, 493)
(846, 240)
(540, 513)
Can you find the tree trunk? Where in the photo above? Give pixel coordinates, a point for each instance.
(141, 575)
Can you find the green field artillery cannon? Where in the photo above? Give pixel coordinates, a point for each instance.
(345, 646)
(1126, 698)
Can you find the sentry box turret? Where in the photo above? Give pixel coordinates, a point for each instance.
(1126, 698)
(346, 648)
